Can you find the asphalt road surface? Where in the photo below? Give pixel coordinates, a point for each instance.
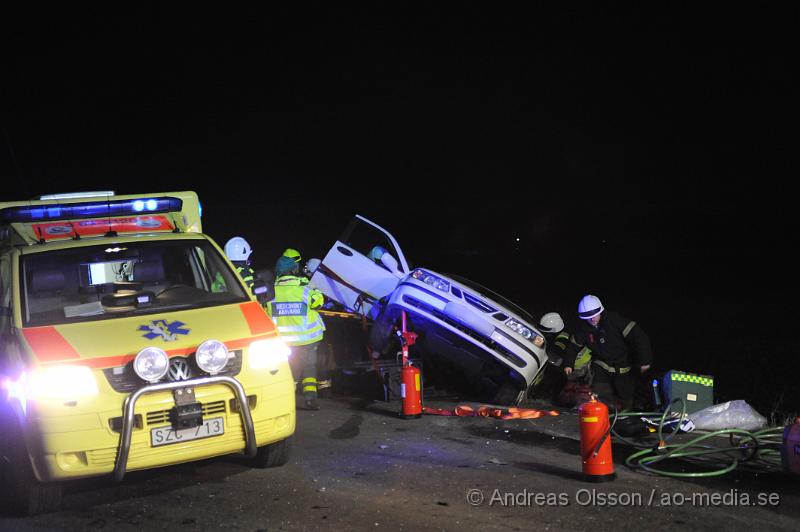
(356, 466)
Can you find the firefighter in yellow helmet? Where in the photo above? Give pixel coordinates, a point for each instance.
(294, 312)
(292, 254)
(297, 258)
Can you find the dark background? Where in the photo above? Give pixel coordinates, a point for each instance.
(638, 153)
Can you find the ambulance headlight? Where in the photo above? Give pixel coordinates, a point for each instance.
(211, 356)
(268, 354)
(61, 382)
(151, 364)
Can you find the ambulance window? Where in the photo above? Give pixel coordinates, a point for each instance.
(100, 282)
(210, 272)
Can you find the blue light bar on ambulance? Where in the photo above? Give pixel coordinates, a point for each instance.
(92, 209)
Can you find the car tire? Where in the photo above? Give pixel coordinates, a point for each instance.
(21, 493)
(272, 455)
(506, 394)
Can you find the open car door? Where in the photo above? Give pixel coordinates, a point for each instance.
(348, 274)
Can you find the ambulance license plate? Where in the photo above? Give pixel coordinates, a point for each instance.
(167, 435)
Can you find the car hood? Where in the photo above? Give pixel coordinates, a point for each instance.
(476, 297)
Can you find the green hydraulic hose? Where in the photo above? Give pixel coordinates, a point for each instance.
(759, 446)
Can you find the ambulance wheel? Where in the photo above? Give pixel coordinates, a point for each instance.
(272, 455)
(22, 493)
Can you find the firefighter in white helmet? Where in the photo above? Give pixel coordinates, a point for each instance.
(238, 251)
(572, 389)
(617, 344)
(552, 326)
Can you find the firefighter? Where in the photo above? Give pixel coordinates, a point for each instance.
(218, 285)
(310, 267)
(238, 252)
(552, 326)
(299, 324)
(617, 345)
(293, 254)
(573, 389)
(297, 258)
(376, 253)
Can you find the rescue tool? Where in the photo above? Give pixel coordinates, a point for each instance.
(411, 386)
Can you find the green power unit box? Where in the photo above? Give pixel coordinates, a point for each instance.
(697, 391)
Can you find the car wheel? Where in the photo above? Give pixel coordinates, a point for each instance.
(272, 455)
(21, 492)
(506, 395)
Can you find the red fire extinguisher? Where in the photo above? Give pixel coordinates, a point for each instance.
(411, 382)
(598, 465)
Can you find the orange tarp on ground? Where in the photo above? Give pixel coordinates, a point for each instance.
(487, 411)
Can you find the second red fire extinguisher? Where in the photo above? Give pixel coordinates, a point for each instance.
(598, 464)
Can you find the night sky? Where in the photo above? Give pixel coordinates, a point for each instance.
(639, 153)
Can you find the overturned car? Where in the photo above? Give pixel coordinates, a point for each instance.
(484, 345)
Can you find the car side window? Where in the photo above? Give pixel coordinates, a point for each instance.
(363, 237)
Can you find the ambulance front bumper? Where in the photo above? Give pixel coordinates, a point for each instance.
(250, 446)
(102, 442)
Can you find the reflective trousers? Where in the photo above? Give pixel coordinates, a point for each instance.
(304, 368)
(610, 386)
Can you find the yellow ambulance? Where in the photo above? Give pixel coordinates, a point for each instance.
(128, 342)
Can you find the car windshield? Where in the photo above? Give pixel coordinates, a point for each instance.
(495, 296)
(115, 280)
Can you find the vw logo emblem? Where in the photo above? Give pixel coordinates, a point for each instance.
(179, 370)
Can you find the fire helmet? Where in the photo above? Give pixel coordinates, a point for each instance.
(376, 253)
(551, 323)
(589, 307)
(237, 249)
(293, 254)
(311, 266)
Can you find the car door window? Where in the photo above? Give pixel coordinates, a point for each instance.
(363, 237)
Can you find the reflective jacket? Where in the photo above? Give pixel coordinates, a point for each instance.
(246, 273)
(558, 349)
(616, 341)
(293, 312)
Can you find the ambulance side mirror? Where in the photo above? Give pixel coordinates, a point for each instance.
(261, 291)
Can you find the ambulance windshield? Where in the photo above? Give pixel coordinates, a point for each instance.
(110, 281)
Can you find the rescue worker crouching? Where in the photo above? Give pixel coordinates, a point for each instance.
(566, 390)
(294, 312)
(616, 344)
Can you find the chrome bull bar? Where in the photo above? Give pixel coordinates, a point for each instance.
(121, 464)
